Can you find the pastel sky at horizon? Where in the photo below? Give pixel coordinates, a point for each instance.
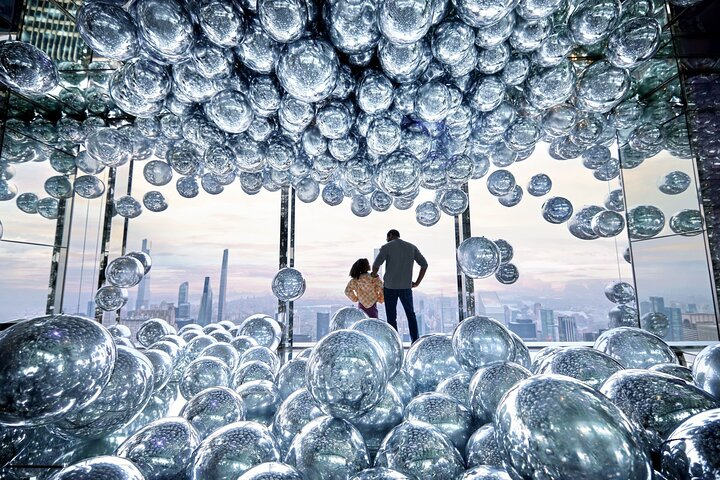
(188, 239)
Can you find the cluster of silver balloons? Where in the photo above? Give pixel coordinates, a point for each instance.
(217, 402)
(122, 273)
(369, 100)
(480, 257)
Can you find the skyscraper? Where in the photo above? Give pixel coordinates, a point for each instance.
(183, 310)
(322, 324)
(205, 315)
(143, 293)
(547, 325)
(223, 285)
(567, 329)
(657, 304)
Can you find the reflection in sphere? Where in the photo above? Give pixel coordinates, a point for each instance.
(675, 370)
(430, 360)
(445, 413)
(271, 471)
(507, 273)
(87, 186)
(27, 69)
(656, 402)
(478, 257)
(500, 182)
(706, 370)
(484, 472)
(453, 201)
(346, 373)
(420, 450)
(361, 206)
(233, 450)
(489, 384)
(291, 377)
(427, 214)
(262, 354)
(252, 370)
(686, 222)
(162, 365)
(125, 272)
(404, 385)
(387, 338)
(581, 363)
(153, 330)
(405, 22)
(328, 448)
(607, 223)
(261, 399)
(655, 323)
(533, 426)
(107, 467)
(283, 20)
(294, 413)
(379, 473)
(155, 201)
(601, 86)
(634, 348)
(378, 422)
(110, 298)
(645, 221)
(620, 292)
(506, 250)
(580, 225)
(691, 450)
(262, 329)
(161, 449)
(539, 185)
(351, 25)
(222, 351)
(203, 373)
(457, 387)
(212, 409)
(557, 210)
(623, 316)
(482, 448)
(308, 70)
(46, 369)
(674, 183)
(479, 341)
(346, 317)
(633, 42)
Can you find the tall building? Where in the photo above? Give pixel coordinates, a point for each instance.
(657, 304)
(205, 314)
(143, 293)
(322, 324)
(183, 310)
(548, 327)
(675, 321)
(223, 285)
(523, 328)
(567, 329)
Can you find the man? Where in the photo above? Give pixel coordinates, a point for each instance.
(400, 256)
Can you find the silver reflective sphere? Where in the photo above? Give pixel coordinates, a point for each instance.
(557, 210)
(489, 384)
(203, 373)
(288, 284)
(328, 448)
(404, 385)
(109, 31)
(294, 413)
(581, 363)
(263, 354)
(212, 409)
(346, 317)
(387, 338)
(261, 399)
(478, 257)
(457, 387)
(445, 413)
(378, 422)
(291, 377)
(261, 330)
(379, 473)
(52, 366)
(675, 370)
(233, 450)
(122, 398)
(706, 370)
(478, 341)
(111, 468)
(111, 298)
(124, 272)
(430, 360)
(655, 323)
(420, 450)
(346, 373)
(657, 403)
(153, 330)
(620, 292)
(534, 429)
(308, 70)
(27, 69)
(691, 450)
(162, 449)
(484, 472)
(482, 448)
(645, 221)
(623, 316)
(634, 348)
(271, 471)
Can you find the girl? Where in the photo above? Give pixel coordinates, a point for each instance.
(364, 289)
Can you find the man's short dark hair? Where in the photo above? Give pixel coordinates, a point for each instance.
(393, 233)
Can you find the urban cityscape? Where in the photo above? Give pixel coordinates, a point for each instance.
(533, 320)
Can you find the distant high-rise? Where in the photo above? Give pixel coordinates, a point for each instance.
(657, 304)
(548, 327)
(205, 315)
(223, 285)
(523, 328)
(567, 328)
(322, 324)
(675, 321)
(143, 293)
(183, 309)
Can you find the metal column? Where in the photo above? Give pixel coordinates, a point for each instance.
(465, 285)
(286, 259)
(59, 261)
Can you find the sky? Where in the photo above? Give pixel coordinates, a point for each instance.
(188, 240)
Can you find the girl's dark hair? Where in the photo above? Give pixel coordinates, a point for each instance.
(359, 267)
